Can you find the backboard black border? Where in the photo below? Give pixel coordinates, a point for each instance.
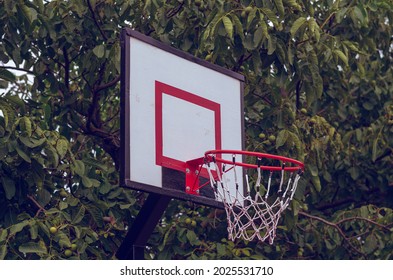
(126, 34)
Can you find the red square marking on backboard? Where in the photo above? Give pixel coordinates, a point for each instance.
(160, 90)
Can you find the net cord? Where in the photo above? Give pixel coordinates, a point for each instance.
(251, 217)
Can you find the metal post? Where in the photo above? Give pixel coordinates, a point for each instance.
(134, 244)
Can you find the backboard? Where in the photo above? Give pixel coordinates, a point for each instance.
(174, 108)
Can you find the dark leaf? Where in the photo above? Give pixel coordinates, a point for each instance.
(32, 247)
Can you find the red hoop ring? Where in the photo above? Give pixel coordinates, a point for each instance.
(299, 164)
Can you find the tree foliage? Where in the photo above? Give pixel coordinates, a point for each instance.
(319, 87)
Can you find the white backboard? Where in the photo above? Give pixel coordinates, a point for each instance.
(175, 107)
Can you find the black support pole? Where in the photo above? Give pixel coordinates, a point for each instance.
(133, 246)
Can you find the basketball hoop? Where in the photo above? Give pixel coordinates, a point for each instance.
(256, 213)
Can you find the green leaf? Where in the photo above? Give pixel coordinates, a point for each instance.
(9, 187)
(22, 154)
(87, 182)
(25, 125)
(312, 25)
(340, 15)
(78, 232)
(317, 183)
(116, 192)
(313, 169)
(38, 174)
(4, 113)
(364, 212)
(342, 56)
(246, 252)
(3, 251)
(295, 207)
(79, 167)
(63, 240)
(351, 46)
(7, 75)
(14, 229)
(72, 200)
(280, 7)
(192, 237)
(3, 234)
(228, 26)
(9, 6)
(63, 205)
(371, 244)
(314, 29)
(52, 155)
(290, 220)
(29, 13)
(264, 27)
(44, 197)
(271, 45)
(32, 247)
(99, 51)
(168, 234)
(271, 16)
(33, 231)
(374, 153)
(238, 24)
(95, 163)
(95, 182)
(355, 172)
(95, 214)
(258, 35)
(316, 77)
(16, 101)
(291, 54)
(62, 147)
(48, 112)
(317, 35)
(281, 138)
(221, 249)
(296, 25)
(79, 215)
(147, 5)
(126, 206)
(360, 14)
(256, 59)
(251, 17)
(31, 142)
(329, 245)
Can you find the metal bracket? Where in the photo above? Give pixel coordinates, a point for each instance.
(192, 176)
(134, 244)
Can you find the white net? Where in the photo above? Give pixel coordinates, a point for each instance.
(254, 215)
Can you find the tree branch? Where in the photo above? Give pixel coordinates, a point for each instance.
(95, 20)
(107, 85)
(298, 87)
(334, 204)
(94, 110)
(40, 208)
(172, 12)
(17, 69)
(366, 220)
(242, 59)
(326, 20)
(66, 69)
(335, 226)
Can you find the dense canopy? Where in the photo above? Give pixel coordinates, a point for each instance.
(319, 87)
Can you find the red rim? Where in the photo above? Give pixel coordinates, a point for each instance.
(284, 160)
